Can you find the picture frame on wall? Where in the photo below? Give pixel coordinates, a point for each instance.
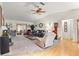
(41, 25)
(65, 27)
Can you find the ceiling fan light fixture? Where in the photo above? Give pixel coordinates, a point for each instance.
(39, 10)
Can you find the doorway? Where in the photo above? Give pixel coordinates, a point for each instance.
(20, 28)
(67, 29)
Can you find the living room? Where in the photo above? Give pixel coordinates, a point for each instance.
(33, 27)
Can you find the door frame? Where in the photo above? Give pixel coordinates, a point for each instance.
(2, 21)
(1, 16)
(20, 25)
(77, 31)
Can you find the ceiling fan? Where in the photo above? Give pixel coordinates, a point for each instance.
(39, 10)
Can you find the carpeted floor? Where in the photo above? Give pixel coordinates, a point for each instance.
(22, 45)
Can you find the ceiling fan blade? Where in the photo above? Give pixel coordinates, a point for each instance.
(33, 10)
(42, 11)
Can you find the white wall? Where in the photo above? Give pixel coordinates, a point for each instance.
(1, 4)
(58, 17)
(45, 24)
(74, 15)
(0, 27)
(14, 22)
(51, 20)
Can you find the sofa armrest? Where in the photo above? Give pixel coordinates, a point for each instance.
(40, 42)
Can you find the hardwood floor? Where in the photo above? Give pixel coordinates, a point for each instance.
(64, 48)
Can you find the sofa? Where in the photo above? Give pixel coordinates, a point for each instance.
(43, 40)
(46, 41)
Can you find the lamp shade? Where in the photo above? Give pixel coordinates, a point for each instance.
(4, 28)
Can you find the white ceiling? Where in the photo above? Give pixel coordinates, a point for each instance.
(22, 10)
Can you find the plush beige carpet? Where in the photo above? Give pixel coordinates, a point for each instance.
(23, 45)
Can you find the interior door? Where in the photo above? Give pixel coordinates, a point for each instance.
(78, 31)
(65, 29)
